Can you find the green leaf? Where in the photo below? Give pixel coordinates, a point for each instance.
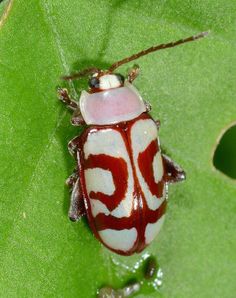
(192, 90)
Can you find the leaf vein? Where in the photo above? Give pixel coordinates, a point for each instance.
(6, 13)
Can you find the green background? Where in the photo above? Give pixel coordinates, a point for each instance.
(192, 91)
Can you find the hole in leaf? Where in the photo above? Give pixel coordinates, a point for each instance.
(225, 154)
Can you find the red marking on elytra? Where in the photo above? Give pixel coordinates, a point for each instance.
(110, 222)
(145, 163)
(119, 171)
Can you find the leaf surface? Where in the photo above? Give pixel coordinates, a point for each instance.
(192, 91)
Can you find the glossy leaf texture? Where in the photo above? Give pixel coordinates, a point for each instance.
(192, 91)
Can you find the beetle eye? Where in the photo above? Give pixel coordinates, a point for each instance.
(94, 82)
(120, 78)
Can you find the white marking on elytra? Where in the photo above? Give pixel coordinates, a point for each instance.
(157, 167)
(152, 229)
(124, 208)
(120, 240)
(143, 132)
(98, 207)
(105, 141)
(109, 142)
(104, 181)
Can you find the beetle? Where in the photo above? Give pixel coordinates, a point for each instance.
(121, 178)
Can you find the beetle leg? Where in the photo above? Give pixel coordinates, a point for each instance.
(63, 95)
(73, 146)
(70, 181)
(77, 207)
(133, 73)
(158, 123)
(148, 106)
(174, 173)
(77, 119)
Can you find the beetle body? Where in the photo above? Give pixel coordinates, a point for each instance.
(121, 179)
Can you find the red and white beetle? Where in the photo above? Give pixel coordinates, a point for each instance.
(121, 178)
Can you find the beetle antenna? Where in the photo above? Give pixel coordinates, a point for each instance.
(156, 48)
(81, 74)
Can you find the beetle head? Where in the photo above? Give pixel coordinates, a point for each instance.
(99, 80)
(104, 80)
